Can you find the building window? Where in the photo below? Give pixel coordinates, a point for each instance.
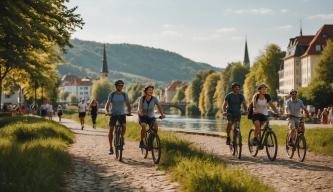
(7, 96)
(86, 88)
(318, 48)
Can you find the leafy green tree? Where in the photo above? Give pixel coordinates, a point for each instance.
(73, 99)
(265, 70)
(180, 94)
(101, 90)
(30, 33)
(206, 100)
(135, 91)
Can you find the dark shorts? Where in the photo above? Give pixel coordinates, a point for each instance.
(82, 114)
(120, 118)
(259, 117)
(146, 119)
(59, 113)
(233, 118)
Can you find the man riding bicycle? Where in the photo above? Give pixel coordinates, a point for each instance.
(232, 107)
(117, 101)
(293, 108)
(146, 111)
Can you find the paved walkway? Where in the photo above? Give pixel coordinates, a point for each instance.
(285, 175)
(307, 125)
(93, 169)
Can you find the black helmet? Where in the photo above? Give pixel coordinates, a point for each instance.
(119, 82)
(234, 84)
(147, 87)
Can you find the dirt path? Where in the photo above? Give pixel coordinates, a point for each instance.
(93, 169)
(285, 175)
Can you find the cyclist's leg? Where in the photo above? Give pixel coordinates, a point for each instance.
(143, 124)
(301, 125)
(229, 125)
(112, 123)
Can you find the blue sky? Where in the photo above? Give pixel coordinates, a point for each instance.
(210, 31)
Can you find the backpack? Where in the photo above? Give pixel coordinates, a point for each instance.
(112, 95)
(250, 108)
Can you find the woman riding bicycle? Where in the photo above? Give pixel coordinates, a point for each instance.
(261, 101)
(146, 111)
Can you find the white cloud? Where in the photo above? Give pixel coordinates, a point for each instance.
(284, 10)
(322, 16)
(226, 30)
(170, 33)
(259, 11)
(285, 27)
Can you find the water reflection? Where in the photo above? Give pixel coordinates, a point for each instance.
(195, 123)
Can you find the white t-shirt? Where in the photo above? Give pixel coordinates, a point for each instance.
(49, 108)
(82, 107)
(262, 106)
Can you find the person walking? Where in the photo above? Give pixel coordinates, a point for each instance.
(324, 116)
(93, 108)
(82, 109)
(330, 116)
(59, 112)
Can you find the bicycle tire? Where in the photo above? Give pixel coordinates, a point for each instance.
(121, 145)
(115, 142)
(289, 149)
(252, 148)
(144, 150)
(156, 148)
(301, 155)
(272, 136)
(239, 145)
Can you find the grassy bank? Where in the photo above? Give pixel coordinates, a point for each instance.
(195, 170)
(33, 154)
(319, 140)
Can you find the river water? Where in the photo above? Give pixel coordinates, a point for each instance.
(193, 123)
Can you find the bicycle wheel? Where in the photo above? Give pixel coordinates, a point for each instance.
(301, 147)
(252, 148)
(271, 145)
(120, 147)
(116, 141)
(144, 150)
(289, 149)
(156, 148)
(238, 145)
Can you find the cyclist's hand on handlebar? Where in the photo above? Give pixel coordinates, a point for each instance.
(162, 116)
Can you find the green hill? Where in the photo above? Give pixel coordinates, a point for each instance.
(129, 62)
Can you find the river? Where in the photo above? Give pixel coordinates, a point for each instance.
(193, 123)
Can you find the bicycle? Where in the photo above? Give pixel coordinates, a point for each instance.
(298, 144)
(152, 143)
(118, 140)
(267, 139)
(236, 142)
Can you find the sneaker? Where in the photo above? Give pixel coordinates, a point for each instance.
(82, 127)
(142, 145)
(228, 141)
(290, 143)
(255, 141)
(111, 151)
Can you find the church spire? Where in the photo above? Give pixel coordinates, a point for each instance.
(246, 61)
(104, 69)
(300, 30)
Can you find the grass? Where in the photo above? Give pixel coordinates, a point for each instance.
(33, 154)
(195, 170)
(319, 140)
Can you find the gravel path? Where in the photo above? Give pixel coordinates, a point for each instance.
(93, 169)
(285, 175)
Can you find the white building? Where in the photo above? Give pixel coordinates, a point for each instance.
(73, 85)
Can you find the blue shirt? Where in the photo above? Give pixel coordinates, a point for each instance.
(118, 103)
(148, 107)
(294, 107)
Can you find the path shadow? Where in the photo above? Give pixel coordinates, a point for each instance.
(133, 162)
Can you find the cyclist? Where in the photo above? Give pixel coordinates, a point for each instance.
(293, 108)
(261, 101)
(232, 107)
(146, 108)
(117, 101)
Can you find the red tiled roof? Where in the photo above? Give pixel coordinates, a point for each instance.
(72, 80)
(304, 40)
(319, 39)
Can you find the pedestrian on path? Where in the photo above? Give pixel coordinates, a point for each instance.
(82, 109)
(93, 108)
(49, 109)
(330, 116)
(59, 112)
(324, 116)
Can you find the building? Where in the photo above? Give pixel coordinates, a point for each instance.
(302, 55)
(171, 89)
(312, 55)
(246, 60)
(72, 85)
(104, 70)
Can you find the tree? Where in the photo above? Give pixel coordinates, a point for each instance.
(30, 34)
(101, 90)
(324, 68)
(73, 99)
(265, 70)
(180, 94)
(206, 100)
(135, 91)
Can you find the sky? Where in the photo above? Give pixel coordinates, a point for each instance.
(209, 31)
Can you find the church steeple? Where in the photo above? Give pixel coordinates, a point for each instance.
(104, 69)
(246, 61)
(300, 30)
